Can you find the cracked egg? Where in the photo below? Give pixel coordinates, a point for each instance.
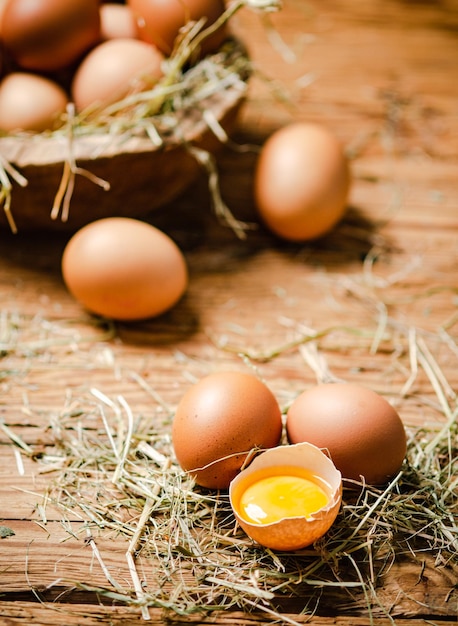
(288, 497)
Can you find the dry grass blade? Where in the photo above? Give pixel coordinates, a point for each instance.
(203, 562)
(194, 557)
(163, 112)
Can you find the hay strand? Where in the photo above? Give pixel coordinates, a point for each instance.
(190, 534)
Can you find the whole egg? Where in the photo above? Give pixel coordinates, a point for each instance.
(124, 269)
(359, 428)
(301, 182)
(160, 21)
(47, 35)
(113, 69)
(117, 21)
(30, 102)
(219, 421)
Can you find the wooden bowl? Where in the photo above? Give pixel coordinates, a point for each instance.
(141, 175)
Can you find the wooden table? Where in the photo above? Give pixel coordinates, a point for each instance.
(384, 77)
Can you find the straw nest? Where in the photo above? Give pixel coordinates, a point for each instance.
(64, 179)
(113, 467)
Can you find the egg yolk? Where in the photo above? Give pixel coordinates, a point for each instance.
(277, 497)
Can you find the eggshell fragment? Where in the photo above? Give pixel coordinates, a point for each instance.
(30, 102)
(219, 420)
(363, 433)
(124, 269)
(301, 182)
(290, 533)
(113, 69)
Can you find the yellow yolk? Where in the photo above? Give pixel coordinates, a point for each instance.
(280, 496)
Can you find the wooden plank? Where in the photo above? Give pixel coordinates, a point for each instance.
(50, 561)
(51, 565)
(383, 80)
(89, 615)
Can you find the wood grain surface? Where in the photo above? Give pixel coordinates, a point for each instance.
(384, 77)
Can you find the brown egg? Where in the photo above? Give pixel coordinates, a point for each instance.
(363, 433)
(301, 182)
(48, 35)
(30, 102)
(124, 269)
(113, 69)
(219, 420)
(160, 21)
(2, 8)
(117, 22)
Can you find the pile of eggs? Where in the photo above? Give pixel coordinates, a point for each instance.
(92, 53)
(290, 494)
(89, 52)
(227, 414)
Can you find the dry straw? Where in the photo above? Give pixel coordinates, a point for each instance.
(108, 460)
(156, 112)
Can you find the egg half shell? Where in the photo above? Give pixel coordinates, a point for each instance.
(219, 421)
(124, 269)
(363, 433)
(290, 533)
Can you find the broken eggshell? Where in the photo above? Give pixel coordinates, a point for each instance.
(290, 533)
